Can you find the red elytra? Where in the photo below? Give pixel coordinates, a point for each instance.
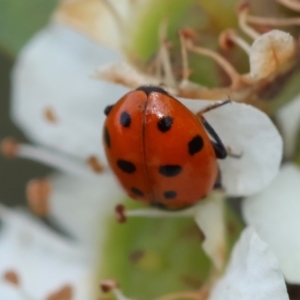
(159, 150)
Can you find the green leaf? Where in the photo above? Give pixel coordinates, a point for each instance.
(19, 20)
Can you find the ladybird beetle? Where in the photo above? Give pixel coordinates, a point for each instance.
(160, 151)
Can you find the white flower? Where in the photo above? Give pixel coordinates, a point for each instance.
(82, 207)
(35, 253)
(253, 272)
(289, 121)
(59, 105)
(43, 261)
(275, 215)
(53, 77)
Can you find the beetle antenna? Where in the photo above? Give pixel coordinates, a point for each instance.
(213, 106)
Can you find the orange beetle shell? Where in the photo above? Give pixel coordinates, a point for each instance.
(159, 150)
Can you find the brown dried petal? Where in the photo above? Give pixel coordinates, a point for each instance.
(269, 52)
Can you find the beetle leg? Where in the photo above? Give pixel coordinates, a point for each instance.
(220, 149)
(108, 109)
(212, 106)
(218, 183)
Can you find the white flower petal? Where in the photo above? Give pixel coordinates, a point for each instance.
(44, 261)
(8, 291)
(107, 22)
(275, 214)
(249, 132)
(83, 207)
(209, 216)
(253, 272)
(52, 76)
(269, 51)
(288, 118)
(93, 18)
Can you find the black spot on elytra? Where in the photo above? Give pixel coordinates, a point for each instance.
(195, 145)
(170, 170)
(106, 137)
(151, 89)
(125, 119)
(126, 166)
(170, 194)
(163, 206)
(137, 191)
(108, 109)
(165, 124)
(159, 205)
